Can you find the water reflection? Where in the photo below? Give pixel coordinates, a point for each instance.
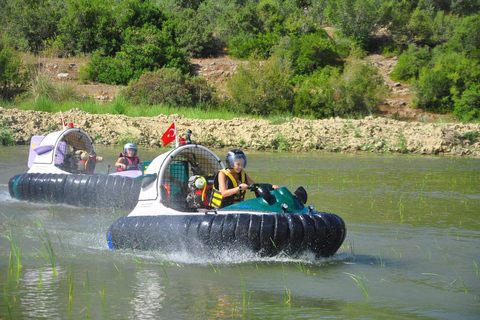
(148, 295)
(38, 297)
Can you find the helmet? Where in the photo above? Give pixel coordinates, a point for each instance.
(130, 146)
(233, 155)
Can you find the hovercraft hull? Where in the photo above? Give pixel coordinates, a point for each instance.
(87, 190)
(264, 234)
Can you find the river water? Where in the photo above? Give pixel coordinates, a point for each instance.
(412, 249)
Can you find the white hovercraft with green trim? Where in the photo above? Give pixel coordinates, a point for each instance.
(173, 215)
(61, 170)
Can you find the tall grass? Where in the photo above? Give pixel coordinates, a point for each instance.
(52, 100)
(48, 253)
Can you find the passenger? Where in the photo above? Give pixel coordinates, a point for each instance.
(87, 161)
(230, 185)
(128, 159)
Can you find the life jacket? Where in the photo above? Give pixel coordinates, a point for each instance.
(89, 164)
(217, 201)
(128, 161)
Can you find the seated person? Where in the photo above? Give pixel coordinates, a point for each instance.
(230, 185)
(128, 159)
(86, 161)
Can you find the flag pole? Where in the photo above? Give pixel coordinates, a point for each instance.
(63, 122)
(176, 135)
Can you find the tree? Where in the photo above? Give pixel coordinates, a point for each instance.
(12, 80)
(262, 88)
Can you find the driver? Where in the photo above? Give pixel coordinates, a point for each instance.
(128, 159)
(230, 185)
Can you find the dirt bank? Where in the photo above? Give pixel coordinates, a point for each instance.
(381, 135)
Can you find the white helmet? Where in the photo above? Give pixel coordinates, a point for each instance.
(130, 146)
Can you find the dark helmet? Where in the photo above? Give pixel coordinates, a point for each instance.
(233, 155)
(130, 146)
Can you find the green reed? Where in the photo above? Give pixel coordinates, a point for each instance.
(15, 253)
(162, 266)
(361, 282)
(476, 267)
(245, 300)
(7, 303)
(70, 292)
(44, 238)
(102, 296)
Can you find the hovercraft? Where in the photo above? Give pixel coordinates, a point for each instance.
(61, 170)
(173, 214)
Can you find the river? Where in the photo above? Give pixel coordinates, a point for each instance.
(412, 249)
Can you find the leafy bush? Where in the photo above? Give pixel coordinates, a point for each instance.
(29, 24)
(410, 62)
(12, 79)
(433, 91)
(195, 36)
(440, 86)
(243, 46)
(358, 90)
(144, 49)
(308, 52)
(88, 26)
(262, 88)
(6, 137)
(168, 86)
(315, 96)
(467, 108)
(467, 37)
(355, 18)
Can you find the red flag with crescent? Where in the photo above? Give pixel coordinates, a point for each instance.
(169, 135)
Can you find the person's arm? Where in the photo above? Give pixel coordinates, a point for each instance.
(222, 185)
(120, 163)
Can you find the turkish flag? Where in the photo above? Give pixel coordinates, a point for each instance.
(169, 135)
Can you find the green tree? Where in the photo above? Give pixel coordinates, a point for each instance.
(358, 90)
(169, 86)
(262, 88)
(410, 62)
(195, 35)
(355, 18)
(314, 95)
(467, 107)
(144, 49)
(28, 24)
(88, 26)
(12, 80)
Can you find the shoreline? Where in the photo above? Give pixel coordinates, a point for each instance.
(374, 135)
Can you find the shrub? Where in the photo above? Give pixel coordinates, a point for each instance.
(467, 37)
(358, 90)
(6, 137)
(440, 86)
(12, 79)
(89, 26)
(410, 62)
(314, 94)
(145, 49)
(308, 52)
(194, 35)
(467, 108)
(168, 86)
(262, 88)
(432, 91)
